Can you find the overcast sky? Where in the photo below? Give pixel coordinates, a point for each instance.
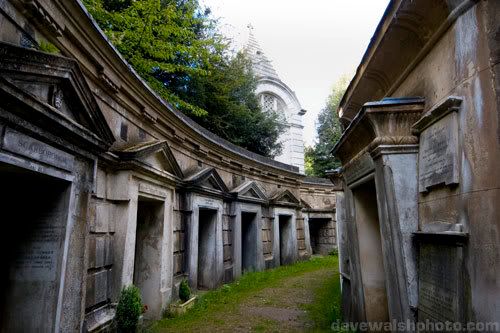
(310, 42)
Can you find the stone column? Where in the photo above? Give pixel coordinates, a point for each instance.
(396, 186)
(307, 235)
(395, 152)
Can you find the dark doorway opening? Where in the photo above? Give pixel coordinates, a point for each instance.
(34, 214)
(206, 248)
(321, 235)
(370, 252)
(286, 241)
(147, 262)
(249, 231)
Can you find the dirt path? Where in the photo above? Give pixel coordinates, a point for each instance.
(278, 309)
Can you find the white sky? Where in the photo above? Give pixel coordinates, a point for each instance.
(311, 43)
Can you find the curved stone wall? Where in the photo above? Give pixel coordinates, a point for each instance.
(142, 194)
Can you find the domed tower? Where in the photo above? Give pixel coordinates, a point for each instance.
(275, 95)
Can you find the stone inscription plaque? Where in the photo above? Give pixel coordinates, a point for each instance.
(21, 144)
(440, 283)
(438, 156)
(151, 189)
(37, 260)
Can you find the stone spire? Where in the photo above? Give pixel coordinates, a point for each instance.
(261, 65)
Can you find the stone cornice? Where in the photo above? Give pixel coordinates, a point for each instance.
(337, 179)
(384, 123)
(451, 104)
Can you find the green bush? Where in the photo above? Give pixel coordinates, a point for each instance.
(184, 291)
(129, 309)
(333, 252)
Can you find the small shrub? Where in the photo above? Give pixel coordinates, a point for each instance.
(184, 291)
(333, 252)
(129, 309)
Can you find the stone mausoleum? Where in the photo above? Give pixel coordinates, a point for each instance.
(104, 184)
(275, 96)
(419, 219)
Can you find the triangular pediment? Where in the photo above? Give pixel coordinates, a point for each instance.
(305, 204)
(155, 153)
(207, 179)
(57, 86)
(285, 197)
(250, 193)
(249, 190)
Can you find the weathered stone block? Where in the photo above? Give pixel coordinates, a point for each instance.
(225, 223)
(228, 274)
(109, 251)
(177, 243)
(100, 251)
(100, 187)
(100, 218)
(267, 247)
(97, 288)
(118, 186)
(301, 234)
(227, 253)
(178, 263)
(177, 221)
(227, 237)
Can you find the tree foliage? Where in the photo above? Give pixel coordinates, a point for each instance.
(174, 45)
(318, 159)
(235, 113)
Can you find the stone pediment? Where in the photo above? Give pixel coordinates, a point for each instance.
(305, 204)
(285, 198)
(56, 87)
(207, 179)
(155, 153)
(250, 191)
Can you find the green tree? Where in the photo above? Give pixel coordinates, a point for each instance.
(175, 46)
(235, 113)
(318, 158)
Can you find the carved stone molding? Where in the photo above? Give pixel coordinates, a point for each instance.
(384, 123)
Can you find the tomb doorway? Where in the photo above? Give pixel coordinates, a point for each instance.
(249, 239)
(286, 239)
(34, 210)
(207, 248)
(370, 252)
(147, 262)
(319, 234)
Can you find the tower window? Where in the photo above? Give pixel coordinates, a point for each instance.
(269, 103)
